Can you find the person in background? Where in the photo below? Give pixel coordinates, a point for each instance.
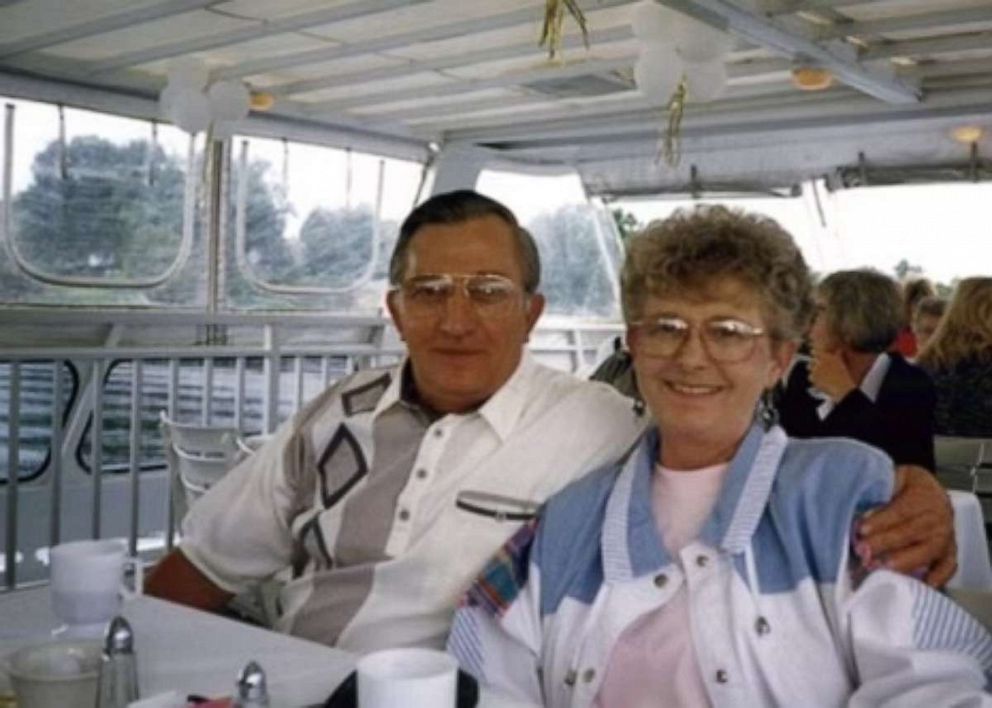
(713, 565)
(927, 316)
(854, 386)
(959, 358)
(912, 292)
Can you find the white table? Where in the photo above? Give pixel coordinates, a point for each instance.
(974, 569)
(197, 652)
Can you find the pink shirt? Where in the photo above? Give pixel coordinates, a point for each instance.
(653, 662)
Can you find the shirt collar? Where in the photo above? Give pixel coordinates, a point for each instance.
(630, 542)
(871, 384)
(501, 411)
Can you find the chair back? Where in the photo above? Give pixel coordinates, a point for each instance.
(197, 455)
(964, 463)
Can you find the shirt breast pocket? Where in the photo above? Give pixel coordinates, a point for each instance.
(497, 507)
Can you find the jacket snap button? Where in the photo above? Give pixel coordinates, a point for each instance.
(570, 678)
(721, 676)
(660, 580)
(421, 473)
(701, 561)
(762, 626)
(404, 515)
(588, 675)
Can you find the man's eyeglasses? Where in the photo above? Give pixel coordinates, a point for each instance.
(490, 295)
(727, 341)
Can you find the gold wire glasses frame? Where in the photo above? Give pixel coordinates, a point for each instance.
(727, 341)
(490, 295)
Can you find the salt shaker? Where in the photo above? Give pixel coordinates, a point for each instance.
(250, 689)
(118, 684)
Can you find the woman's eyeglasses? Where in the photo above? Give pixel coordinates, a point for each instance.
(727, 341)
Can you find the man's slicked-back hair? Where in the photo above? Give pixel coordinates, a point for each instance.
(455, 208)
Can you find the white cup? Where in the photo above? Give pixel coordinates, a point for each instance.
(412, 678)
(55, 674)
(87, 583)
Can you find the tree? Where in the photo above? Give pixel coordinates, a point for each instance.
(905, 269)
(337, 244)
(574, 278)
(103, 210)
(627, 223)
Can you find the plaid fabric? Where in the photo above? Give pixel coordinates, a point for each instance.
(505, 575)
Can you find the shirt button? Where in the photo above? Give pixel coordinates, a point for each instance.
(438, 432)
(421, 473)
(588, 675)
(404, 515)
(701, 561)
(762, 626)
(660, 580)
(721, 676)
(570, 678)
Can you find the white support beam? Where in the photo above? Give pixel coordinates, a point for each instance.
(920, 21)
(392, 41)
(596, 38)
(453, 88)
(100, 25)
(765, 32)
(261, 28)
(774, 8)
(950, 44)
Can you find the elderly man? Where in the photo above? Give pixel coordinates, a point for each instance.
(388, 493)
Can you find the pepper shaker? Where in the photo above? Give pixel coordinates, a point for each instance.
(251, 690)
(118, 683)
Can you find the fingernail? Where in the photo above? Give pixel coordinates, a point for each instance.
(864, 552)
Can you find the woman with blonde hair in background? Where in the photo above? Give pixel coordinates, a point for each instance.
(959, 358)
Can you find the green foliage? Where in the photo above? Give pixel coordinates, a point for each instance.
(627, 223)
(114, 212)
(573, 275)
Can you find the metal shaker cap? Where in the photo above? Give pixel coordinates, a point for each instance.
(251, 683)
(119, 638)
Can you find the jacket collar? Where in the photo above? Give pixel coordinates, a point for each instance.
(630, 543)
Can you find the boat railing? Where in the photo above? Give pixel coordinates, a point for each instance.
(88, 458)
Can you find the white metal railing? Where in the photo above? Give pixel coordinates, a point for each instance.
(127, 502)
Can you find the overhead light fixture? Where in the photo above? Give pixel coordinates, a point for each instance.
(968, 134)
(812, 78)
(262, 100)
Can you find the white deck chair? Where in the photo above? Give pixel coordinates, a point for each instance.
(198, 456)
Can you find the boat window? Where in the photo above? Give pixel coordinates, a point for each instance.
(97, 207)
(312, 226)
(931, 230)
(579, 248)
(34, 414)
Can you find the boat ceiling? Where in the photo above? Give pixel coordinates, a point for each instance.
(405, 76)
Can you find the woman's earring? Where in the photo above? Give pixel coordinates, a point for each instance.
(767, 412)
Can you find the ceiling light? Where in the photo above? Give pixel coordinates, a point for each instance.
(811, 78)
(262, 100)
(967, 134)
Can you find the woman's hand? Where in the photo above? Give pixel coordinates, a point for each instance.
(914, 531)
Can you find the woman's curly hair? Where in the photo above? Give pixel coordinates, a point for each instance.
(694, 251)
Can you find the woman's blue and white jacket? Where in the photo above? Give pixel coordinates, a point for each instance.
(780, 613)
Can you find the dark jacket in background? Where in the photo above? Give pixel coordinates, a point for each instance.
(964, 399)
(900, 421)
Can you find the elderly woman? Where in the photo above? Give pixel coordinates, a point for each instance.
(959, 358)
(711, 566)
(853, 386)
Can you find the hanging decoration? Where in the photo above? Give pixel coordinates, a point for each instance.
(680, 59)
(192, 105)
(554, 19)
